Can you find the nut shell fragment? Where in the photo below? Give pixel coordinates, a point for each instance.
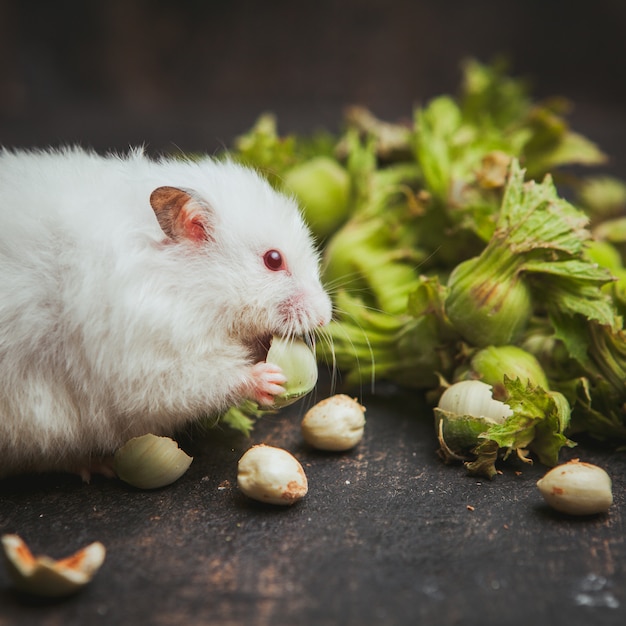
(577, 488)
(48, 577)
(149, 462)
(474, 398)
(272, 475)
(335, 424)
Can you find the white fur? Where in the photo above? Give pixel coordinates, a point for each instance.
(107, 332)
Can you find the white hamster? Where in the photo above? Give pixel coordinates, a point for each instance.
(135, 297)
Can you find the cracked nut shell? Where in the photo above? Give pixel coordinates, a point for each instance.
(150, 462)
(47, 577)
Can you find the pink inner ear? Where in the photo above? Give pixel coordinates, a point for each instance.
(181, 215)
(194, 227)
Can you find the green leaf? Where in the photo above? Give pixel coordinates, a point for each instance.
(367, 343)
(533, 218)
(603, 196)
(598, 411)
(537, 234)
(574, 269)
(538, 421)
(539, 417)
(261, 147)
(573, 287)
(607, 348)
(515, 433)
(392, 141)
(572, 331)
(613, 230)
(427, 297)
(490, 97)
(570, 297)
(549, 437)
(568, 148)
(264, 149)
(243, 417)
(434, 127)
(574, 149)
(484, 464)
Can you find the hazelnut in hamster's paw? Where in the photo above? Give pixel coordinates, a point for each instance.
(267, 382)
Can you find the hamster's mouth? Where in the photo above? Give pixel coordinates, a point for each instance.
(260, 346)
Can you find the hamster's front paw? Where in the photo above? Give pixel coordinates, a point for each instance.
(267, 382)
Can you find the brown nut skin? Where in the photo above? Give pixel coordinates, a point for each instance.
(335, 424)
(577, 488)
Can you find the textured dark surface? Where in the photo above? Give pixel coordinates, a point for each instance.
(385, 535)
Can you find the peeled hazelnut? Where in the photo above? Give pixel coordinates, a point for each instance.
(270, 474)
(577, 488)
(47, 577)
(336, 423)
(149, 462)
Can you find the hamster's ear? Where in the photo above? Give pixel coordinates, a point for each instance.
(181, 215)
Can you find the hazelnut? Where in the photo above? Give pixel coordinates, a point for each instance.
(336, 423)
(577, 488)
(272, 475)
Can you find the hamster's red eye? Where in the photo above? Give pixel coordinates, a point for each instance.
(273, 260)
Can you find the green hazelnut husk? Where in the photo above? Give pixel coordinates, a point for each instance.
(322, 188)
(298, 364)
(493, 363)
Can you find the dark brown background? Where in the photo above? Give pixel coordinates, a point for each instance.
(385, 535)
(195, 73)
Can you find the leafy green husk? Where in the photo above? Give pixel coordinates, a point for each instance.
(298, 363)
(413, 349)
(456, 237)
(322, 187)
(538, 423)
(492, 363)
(537, 246)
